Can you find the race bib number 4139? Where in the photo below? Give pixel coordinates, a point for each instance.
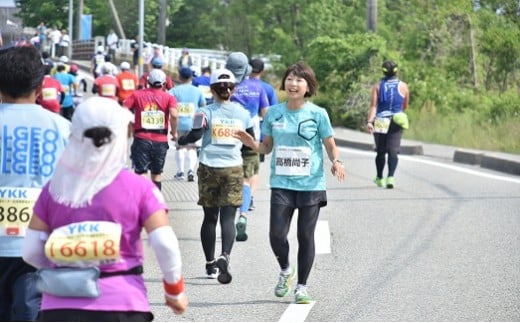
(16, 207)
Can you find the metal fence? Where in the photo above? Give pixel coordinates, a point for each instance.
(215, 59)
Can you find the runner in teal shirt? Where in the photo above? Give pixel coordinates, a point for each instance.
(295, 132)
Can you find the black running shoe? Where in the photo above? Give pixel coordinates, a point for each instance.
(224, 276)
(212, 270)
(191, 177)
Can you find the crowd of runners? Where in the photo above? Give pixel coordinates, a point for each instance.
(72, 209)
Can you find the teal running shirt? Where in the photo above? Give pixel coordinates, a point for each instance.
(297, 156)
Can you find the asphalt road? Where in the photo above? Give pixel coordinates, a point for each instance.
(444, 245)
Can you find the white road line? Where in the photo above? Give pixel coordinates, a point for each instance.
(322, 237)
(443, 165)
(296, 312)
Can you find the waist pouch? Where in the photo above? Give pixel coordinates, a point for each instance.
(76, 282)
(401, 119)
(69, 282)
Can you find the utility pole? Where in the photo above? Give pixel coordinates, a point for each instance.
(371, 15)
(473, 53)
(78, 31)
(161, 23)
(116, 19)
(141, 36)
(71, 16)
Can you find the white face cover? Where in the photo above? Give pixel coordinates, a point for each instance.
(84, 169)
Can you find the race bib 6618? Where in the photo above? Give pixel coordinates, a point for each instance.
(88, 243)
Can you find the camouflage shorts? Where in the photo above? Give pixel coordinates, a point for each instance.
(251, 164)
(220, 186)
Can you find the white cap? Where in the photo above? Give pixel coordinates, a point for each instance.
(100, 49)
(125, 66)
(64, 59)
(221, 76)
(156, 77)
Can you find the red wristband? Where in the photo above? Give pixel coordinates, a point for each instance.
(174, 289)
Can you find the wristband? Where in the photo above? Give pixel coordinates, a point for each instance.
(175, 297)
(174, 289)
(335, 160)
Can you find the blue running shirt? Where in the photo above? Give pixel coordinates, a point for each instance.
(32, 140)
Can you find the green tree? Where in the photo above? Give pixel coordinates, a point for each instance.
(54, 12)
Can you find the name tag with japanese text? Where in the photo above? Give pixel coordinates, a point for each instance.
(293, 161)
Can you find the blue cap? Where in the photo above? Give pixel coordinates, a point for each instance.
(186, 73)
(157, 62)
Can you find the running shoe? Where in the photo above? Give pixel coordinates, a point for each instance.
(379, 181)
(224, 276)
(191, 177)
(390, 182)
(284, 283)
(179, 176)
(212, 270)
(241, 228)
(251, 205)
(301, 296)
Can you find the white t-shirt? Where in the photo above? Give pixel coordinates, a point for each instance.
(55, 36)
(65, 40)
(112, 41)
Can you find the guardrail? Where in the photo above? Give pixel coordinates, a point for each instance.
(215, 59)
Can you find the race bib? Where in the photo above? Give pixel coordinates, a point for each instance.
(152, 119)
(84, 244)
(222, 130)
(108, 90)
(49, 94)
(128, 85)
(381, 125)
(186, 109)
(293, 161)
(16, 207)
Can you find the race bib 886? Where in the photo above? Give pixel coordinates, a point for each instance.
(16, 207)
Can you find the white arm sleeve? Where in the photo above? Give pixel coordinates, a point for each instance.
(33, 250)
(166, 248)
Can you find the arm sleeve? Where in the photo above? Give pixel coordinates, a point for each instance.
(33, 250)
(166, 248)
(250, 131)
(191, 137)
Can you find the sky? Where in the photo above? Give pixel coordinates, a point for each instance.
(7, 3)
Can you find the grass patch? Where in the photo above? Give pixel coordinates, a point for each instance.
(465, 130)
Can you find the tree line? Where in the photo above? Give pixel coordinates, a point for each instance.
(461, 58)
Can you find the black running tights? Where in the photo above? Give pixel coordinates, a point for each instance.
(388, 143)
(280, 224)
(208, 234)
